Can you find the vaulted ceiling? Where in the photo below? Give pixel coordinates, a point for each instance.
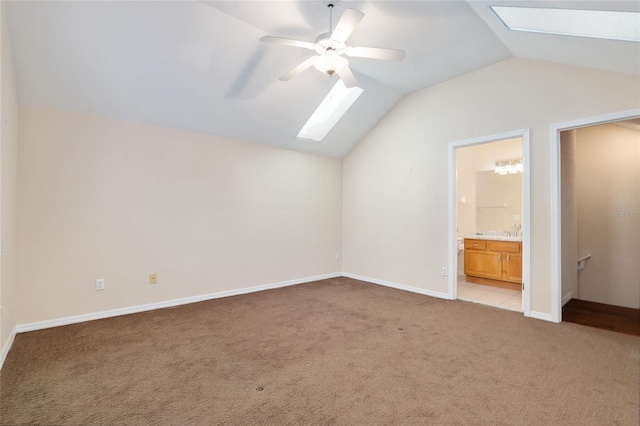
(199, 66)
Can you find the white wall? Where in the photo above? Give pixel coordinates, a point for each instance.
(8, 152)
(608, 200)
(569, 209)
(103, 198)
(395, 180)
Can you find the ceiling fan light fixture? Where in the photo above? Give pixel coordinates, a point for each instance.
(330, 64)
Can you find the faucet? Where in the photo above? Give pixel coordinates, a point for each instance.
(516, 230)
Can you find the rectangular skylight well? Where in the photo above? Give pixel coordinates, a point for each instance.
(605, 24)
(330, 111)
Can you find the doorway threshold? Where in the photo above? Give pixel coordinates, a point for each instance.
(489, 295)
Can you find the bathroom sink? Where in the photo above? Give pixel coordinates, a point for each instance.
(501, 237)
(496, 235)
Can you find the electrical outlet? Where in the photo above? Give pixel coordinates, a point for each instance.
(444, 271)
(153, 278)
(516, 217)
(100, 284)
(337, 256)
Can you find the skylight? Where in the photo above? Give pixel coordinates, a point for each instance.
(573, 22)
(330, 111)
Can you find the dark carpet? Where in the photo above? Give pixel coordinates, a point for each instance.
(333, 352)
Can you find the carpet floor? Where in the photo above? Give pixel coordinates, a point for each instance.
(333, 352)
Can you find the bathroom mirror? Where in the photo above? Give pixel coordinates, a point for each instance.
(498, 200)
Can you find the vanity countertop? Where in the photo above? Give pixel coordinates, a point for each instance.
(494, 237)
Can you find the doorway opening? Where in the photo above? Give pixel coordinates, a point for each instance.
(489, 217)
(597, 178)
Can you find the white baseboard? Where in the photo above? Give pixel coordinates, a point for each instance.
(7, 346)
(39, 325)
(398, 286)
(566, 298)
(541, 316)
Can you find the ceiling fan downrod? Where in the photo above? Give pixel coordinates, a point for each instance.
(330, 6)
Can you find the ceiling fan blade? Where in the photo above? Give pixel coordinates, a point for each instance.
(346, 76)
(348, 22)
(376, 53)
(297, 70)
(288, 42)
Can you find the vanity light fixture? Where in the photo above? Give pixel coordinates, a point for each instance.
(605, 24)
(511, 166)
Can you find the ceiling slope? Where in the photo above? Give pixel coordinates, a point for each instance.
(199, 66)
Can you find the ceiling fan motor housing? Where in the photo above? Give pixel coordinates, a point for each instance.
(326, 45)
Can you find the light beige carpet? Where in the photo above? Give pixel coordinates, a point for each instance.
(338, 351)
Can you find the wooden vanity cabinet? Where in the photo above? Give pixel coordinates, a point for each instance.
(492, 262)
(513, 270)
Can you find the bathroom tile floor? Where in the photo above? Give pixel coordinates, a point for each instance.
(488, 295)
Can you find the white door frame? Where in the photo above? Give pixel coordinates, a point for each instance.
(556, 197)
(525, 134)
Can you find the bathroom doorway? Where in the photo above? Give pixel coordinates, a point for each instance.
(489, 203)
(597, 221)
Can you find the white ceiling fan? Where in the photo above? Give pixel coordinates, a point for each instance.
(330, 48)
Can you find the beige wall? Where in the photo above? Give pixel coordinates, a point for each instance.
(608, 189)
(8, 152)
(569, 211)
(395, 180)
(503, 191)
(469, 161)
(102, 198)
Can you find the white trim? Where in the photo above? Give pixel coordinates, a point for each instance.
(566, 298)
(556, 213)
(404, 287)
(7, 346)
(453, 231)
(541, 316)
(525, 134)
(39, 325)
(526, 213)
